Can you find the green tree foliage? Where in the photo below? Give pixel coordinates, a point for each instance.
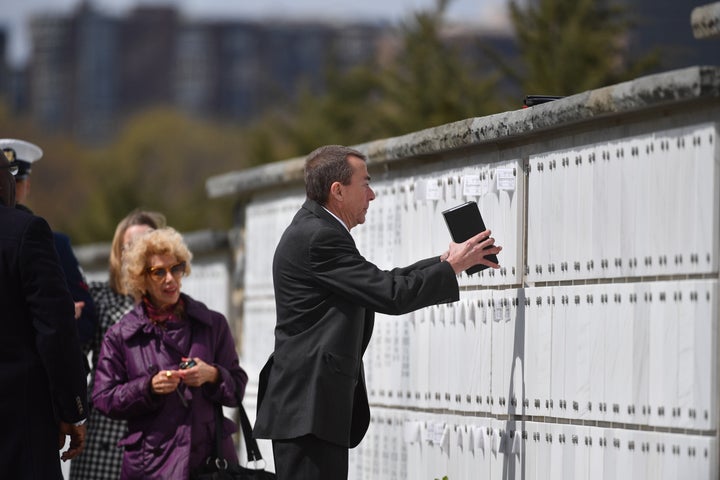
(160, 161)
(346, 114)
(428, 83)
(59, 181)
(570, 46)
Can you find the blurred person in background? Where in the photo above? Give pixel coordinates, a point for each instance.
(102, 458)
(42, 371)
(170, 408)
(23, 154)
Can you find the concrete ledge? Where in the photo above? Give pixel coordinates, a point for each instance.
(201, 242)
(705, 21)
(677, 86)
(257, 178)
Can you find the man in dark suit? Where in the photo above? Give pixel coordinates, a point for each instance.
(44, 395)
(312, 400)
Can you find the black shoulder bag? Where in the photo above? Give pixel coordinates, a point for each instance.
(218, 468)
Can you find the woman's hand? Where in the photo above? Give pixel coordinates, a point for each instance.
(199, 374)
(165, 382)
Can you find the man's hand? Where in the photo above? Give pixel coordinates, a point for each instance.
(77, 439)
(462, 256)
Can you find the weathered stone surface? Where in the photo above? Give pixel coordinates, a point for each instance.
(673, 87)
(705, 21)
(238, 182)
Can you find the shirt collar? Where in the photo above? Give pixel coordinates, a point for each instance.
(337, 218)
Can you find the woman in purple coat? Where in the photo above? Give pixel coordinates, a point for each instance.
(139, 377)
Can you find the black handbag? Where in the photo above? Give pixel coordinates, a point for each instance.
(218, 468)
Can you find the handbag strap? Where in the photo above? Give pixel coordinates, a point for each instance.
(218, 432)
(251, 446)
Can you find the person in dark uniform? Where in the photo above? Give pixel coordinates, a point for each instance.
(44, 394)
(23, 154)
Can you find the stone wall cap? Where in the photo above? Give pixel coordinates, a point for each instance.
(676, 86)
(705, 21)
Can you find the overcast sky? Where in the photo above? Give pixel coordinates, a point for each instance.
(16, 13)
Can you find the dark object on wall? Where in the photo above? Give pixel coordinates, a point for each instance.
(531, 100)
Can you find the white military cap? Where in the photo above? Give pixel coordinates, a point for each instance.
(22, 153)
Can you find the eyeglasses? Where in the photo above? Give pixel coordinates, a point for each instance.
(158, 274)
(12, 167)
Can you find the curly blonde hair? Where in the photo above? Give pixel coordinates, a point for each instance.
(163, 241)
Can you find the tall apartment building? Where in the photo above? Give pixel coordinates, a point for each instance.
(4, 70)
(51, 74)
(88, 71)
(95, 63)
(238, 69)
(13, 84)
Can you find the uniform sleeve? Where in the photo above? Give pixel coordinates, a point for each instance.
(53, 318)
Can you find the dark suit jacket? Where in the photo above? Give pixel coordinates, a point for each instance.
(41, 365)
(326, 296)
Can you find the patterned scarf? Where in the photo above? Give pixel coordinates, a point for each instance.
(168, 313)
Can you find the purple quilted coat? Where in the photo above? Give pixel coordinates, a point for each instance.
(168, 435)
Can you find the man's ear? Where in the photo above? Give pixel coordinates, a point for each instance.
(336, 191)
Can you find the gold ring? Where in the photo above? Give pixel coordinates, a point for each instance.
(168, 373)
